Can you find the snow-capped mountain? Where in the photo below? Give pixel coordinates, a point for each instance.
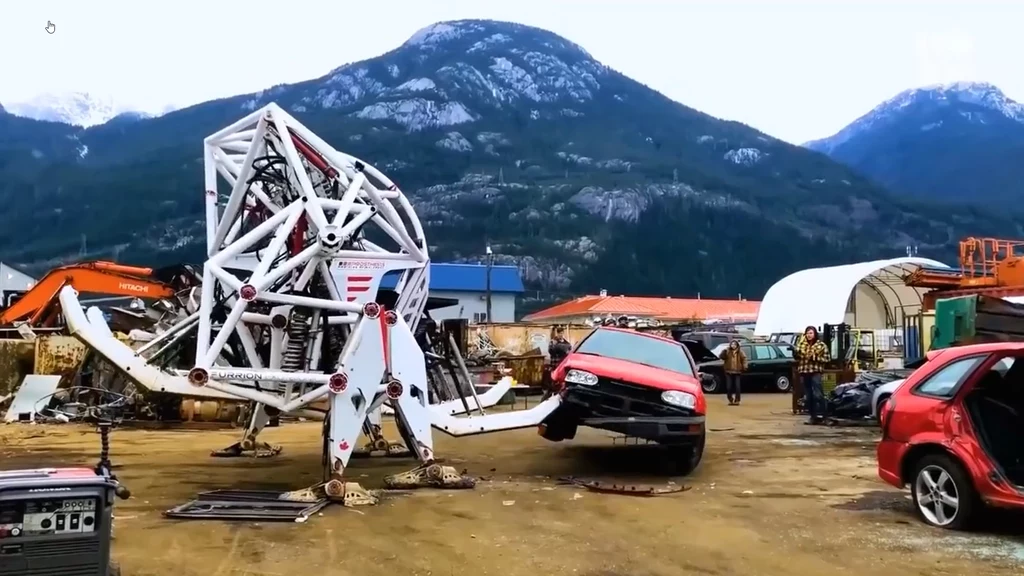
(976, 94)
(454, 73)
(499, 134)
(74, 108)
(962, 141)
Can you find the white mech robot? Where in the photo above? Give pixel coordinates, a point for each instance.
(288, 313)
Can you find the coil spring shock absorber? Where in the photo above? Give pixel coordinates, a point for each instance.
(333, 341)
(294, 357)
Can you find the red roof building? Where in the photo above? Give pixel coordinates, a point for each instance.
(667, 310)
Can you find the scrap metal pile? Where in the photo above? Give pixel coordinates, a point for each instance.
(289, 314)
(852, 400)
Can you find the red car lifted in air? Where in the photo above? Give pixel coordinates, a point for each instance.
(633, 383)
(955, 432)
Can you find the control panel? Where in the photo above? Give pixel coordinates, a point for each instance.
(43, 517)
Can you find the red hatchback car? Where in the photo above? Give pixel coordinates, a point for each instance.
(632, 383)
(955, 432)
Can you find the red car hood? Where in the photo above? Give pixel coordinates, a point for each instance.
(630, 372)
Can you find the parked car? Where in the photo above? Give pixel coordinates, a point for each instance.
(882, 394)
(769, 366)
(953, 432)
(785, 337)
(633, 383)
(712, 339)
(885, 391)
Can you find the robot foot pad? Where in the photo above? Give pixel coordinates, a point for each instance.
(391, 450)
(430, 476)
(236, 450)
(339, 491)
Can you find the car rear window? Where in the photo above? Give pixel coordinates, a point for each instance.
(715, 340)
(635, 347)
(944, 382)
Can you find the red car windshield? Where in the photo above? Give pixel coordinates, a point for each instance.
(634, 347)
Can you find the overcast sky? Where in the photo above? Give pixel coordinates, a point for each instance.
(795, 69)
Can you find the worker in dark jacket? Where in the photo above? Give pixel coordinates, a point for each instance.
(558, 346)
(734, 364)
(558, 349)
(811, 355)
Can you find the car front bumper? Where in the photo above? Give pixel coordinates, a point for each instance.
(661, 429)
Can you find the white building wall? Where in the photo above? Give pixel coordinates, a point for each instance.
(13, 281)
(473, 306)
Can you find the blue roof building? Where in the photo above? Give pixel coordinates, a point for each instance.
(467, 283)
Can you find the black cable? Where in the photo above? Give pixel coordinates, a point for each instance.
(91, 412)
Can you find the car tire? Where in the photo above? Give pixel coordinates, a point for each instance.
(559, 425)
(783, 383)
(687, 458)
(943, 494)
(882, 401)
(711, 385)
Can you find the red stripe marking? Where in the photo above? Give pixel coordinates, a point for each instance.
(358, 288)
(351, 298)
(360, 278)
(384, 341)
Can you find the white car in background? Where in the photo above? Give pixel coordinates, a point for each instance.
(882, 394)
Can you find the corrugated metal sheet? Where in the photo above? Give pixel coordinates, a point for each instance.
(466, 278)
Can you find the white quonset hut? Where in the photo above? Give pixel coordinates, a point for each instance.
(868, 295)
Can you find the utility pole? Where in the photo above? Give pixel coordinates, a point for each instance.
(487, 288)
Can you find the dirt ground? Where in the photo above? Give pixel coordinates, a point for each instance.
(772, 497)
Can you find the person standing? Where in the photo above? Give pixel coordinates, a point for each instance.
(558, 349)
(734, 365)
(558, 346)
(811, 354)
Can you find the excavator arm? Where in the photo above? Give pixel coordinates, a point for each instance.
(38, 305)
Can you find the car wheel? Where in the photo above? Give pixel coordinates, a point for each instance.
(687, 458)
(881, 405)
(711, 385)
(943, 494)
(782, 383)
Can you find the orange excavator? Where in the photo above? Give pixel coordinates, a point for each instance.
(39, 306)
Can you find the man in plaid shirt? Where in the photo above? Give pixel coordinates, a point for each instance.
(811, 354)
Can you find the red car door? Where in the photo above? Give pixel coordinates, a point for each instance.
(925, 403)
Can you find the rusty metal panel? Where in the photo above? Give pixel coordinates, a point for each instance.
(16, 360)
(58, 355)
(527, 370)
(516, 339)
